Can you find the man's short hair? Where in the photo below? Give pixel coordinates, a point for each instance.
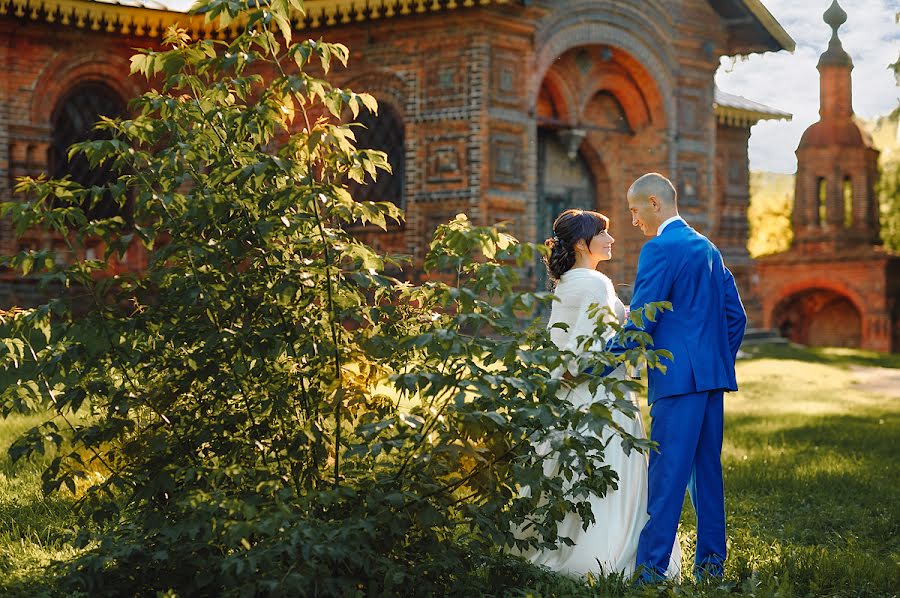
(656, 185)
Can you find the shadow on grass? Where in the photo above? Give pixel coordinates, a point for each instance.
(825, 355)
(814, 503)
(869, 436)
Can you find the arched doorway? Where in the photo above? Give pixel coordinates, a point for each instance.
(599, 114)
(564, 181)
(819, 317)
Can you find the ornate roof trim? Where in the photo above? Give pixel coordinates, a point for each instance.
(133, 19)
(144, 18)
(773, 27)
(327, 13)
(737, 111)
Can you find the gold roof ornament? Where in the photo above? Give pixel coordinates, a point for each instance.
(139, 18)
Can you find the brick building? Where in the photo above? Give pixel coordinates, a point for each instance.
(836, 286)
(505, 110)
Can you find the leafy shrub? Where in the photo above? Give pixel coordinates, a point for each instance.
(264, 410)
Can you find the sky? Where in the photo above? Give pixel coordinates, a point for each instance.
(790, 82)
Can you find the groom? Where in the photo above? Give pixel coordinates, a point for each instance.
(703, 332)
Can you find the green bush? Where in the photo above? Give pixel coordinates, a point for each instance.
(264, 410)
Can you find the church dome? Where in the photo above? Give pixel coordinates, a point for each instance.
(843, 132)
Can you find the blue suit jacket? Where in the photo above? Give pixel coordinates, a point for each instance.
(704, 329)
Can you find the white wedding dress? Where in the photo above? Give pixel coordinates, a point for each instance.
(609, 545)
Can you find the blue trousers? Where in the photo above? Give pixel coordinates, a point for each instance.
(688, 430)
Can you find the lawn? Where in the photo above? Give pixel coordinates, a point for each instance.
(811, 474)
(34, 529)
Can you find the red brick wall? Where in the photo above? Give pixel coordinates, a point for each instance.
(466, 84)
(867, 279)
(728, 226)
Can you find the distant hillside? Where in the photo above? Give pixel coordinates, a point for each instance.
(772, 194)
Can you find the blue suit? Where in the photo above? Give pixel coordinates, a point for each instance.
(703, 331)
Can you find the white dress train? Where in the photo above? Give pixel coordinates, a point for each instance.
(609, 545)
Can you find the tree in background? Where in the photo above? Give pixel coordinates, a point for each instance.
(769, 213)
(885, 131)
(889, 163)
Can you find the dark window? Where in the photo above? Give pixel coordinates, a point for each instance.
(385, 133)
(73, 121)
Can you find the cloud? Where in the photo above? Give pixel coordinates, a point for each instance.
(790, 82)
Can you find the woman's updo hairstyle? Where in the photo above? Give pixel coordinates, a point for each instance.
(570, 227)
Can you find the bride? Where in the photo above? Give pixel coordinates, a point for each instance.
(580, 241)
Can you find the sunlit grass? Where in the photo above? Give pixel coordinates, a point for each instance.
(34, 529)
(811, 475)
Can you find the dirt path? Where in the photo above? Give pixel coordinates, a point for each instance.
(884, 381)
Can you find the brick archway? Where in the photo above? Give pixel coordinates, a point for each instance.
(557, 99)
(65, 72)
(771, 302)
(821, 311)
(396, 96)
(386, 86)
(608, 108)
(639, 37)
(819, 317)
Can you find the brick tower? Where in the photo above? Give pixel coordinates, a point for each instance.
(836, 285)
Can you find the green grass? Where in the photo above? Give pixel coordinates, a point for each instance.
(811, 473)
(34, 529)
(812, 482)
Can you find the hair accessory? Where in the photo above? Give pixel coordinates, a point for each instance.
(555, 239)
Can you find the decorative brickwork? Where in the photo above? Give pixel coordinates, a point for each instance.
(616, 87)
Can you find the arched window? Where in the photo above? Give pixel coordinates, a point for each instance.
(848, 202)
(383, 132)
(822, 201)
(73, 121)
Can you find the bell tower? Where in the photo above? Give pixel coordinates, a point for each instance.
(835, 206)
(837, 285)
